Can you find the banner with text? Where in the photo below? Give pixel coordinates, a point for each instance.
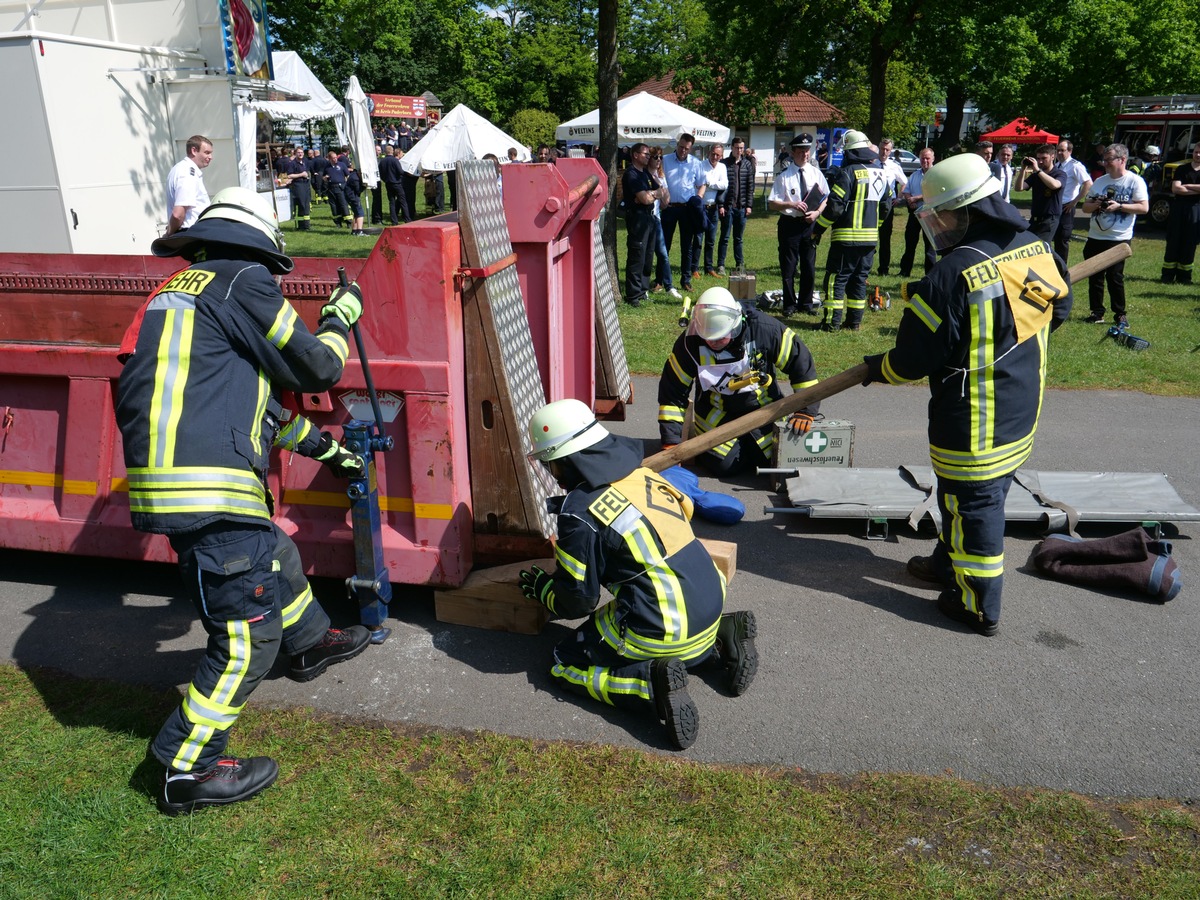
(393, 106)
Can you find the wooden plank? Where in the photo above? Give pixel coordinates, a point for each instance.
(491, 598)
(504, 388)
(724, 554)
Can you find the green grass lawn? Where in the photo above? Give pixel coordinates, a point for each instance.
(363, 810)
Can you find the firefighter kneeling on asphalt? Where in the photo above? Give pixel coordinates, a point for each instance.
(977, 326)
(623, 527)
(199, 408)
(731, 352)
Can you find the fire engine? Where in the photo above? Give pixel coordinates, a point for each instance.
(1171, 123)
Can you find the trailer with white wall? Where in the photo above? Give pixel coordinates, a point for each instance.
(99, 99)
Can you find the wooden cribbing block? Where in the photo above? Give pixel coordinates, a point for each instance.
(491, 598)
(724, 554)
(743, 287)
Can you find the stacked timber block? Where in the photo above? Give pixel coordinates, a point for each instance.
(743, 286)
(491, 598)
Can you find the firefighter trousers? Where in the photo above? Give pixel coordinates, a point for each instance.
(971, 543)
(846, 272)
(587, 664)
(249, 590)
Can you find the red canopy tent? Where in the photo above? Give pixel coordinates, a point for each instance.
(1019, 131)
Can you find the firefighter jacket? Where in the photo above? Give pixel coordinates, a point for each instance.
(632, 535)
(860, 197)
(198, 402)
(734, 381)
(978, 326)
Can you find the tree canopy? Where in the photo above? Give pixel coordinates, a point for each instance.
(886, 63)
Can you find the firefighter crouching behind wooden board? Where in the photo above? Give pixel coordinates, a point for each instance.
(198, 405)
(626, 528)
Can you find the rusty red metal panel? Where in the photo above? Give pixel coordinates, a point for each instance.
(550, 209)
(62, 478)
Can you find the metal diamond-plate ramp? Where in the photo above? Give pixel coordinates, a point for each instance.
(611, 362)
(504, 386)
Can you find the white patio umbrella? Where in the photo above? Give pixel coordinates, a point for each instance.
(358, 119)
(461, 134)
(645, 117)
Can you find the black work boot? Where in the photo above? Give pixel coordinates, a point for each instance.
(959, 613)
(927, 569)
(735, 646)
(337, 646)
(668, 678)
(229, 781)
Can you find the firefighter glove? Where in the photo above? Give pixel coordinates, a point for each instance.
(800, 423)
(874, 369)
(345, 303)
(341, 461)
(537, 585)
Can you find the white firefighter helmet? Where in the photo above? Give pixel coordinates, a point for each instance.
(948, 188)
(1152, 150)
(561, 428)
(855, 140)
(716, 314)
(237, 204)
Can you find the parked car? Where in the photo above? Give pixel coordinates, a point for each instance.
(908, 161)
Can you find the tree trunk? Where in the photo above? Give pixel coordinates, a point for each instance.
(607, 76)
(956, 101)
(877, 76)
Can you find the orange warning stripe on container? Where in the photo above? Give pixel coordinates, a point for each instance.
(48, 479)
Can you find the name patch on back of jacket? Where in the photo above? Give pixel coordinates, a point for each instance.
(189, 281)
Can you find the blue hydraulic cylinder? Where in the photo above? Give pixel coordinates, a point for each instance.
(369, 585)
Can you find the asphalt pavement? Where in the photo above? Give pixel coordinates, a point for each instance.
(1082, 690)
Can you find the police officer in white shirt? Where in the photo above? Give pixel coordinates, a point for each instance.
(898, 183)
(186, 194)
(799, 196)
(1077, 181)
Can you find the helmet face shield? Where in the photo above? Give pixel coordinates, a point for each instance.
(944, 228)
(716, 315)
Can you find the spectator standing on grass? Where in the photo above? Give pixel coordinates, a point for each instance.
(1044, 179)
(1076, 181)
(912, 197)
(716, 182)
(737, 203)
(799, 195)
(186, 193)
(641, 191)
(662, 260)
(1117, 197)
(898, 182)
(685, 183)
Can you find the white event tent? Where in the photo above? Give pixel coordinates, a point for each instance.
(461, 134)
(294, 76)
(362, 139)
(645, 117)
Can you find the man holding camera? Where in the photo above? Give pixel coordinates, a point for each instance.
(1117, 197)
(1045, 179)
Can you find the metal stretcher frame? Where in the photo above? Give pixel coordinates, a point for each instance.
(1059, 499)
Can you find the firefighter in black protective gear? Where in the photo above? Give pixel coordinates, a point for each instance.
(859, 199)
(978, 326)
(731, 352)
(199, 408)
(626, 528)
